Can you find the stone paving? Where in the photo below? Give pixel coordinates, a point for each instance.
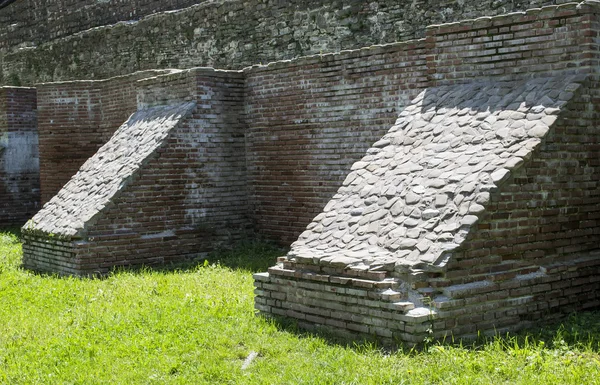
(413, 198)
(109, 171)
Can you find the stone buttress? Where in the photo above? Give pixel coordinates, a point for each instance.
(168, 186)
(61, 224)
(397, 253)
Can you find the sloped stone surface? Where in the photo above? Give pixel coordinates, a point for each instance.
(415, 195)
(108, 171)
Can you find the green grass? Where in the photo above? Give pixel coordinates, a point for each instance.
(196, 325)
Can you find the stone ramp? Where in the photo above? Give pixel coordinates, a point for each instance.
(364, 264)
(413, 198)
(108, 172)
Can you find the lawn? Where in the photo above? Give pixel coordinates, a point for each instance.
(196, 325)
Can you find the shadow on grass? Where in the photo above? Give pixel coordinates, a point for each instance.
(579, 332)
(12, 231)
(252, 256)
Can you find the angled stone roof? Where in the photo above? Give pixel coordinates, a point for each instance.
(107, 172)
(415, 195)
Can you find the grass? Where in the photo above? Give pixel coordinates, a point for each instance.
(196, 325)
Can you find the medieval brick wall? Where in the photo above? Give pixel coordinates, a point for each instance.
(533, 252)
(192, 196)
(68, 121)
(19, 160)
(187, 197)
(310, 119)
(275, 141)
(558, 39)
(222, 34)
(537, 246)
(75, 119)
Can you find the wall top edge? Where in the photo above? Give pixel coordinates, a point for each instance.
(194, 71)
(131, 76)
(17, 88)
(317, 58)
(549, 11)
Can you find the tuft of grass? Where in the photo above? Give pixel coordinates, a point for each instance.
(197, 325)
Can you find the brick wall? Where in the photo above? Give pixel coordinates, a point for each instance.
(19, 160)
(188, 196)
(538, 243)
(310, 119)
(551, 40)
(75, 119)
(536, 247)
(534, 254)
(192, 196)
(299, 125)
(69, 118)
(223, 34)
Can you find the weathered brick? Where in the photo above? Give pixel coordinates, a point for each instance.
(19, 156)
